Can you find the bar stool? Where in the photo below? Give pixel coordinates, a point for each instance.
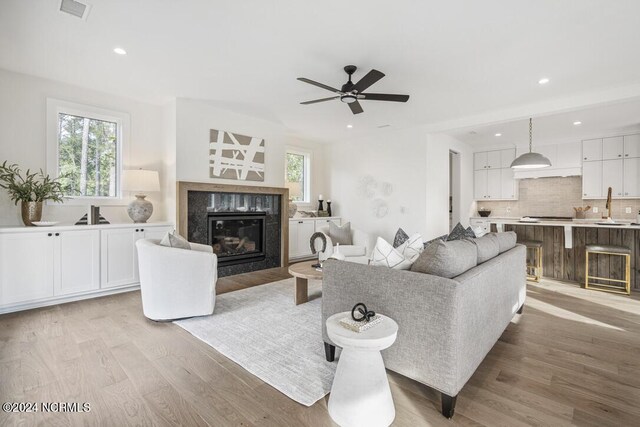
(619, 286)
(534, 271)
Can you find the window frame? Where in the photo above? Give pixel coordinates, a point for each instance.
(306, 173)
(55, 107)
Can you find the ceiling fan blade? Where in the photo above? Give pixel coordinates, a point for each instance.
(369, 79)
(323, 86)
(319, 100)
(383, 97)
(356, 108)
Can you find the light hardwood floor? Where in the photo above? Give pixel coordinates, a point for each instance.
(572, 358)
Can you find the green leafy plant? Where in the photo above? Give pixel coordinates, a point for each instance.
(32, 187)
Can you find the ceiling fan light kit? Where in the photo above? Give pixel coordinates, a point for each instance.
(351, 93)
(530, 160)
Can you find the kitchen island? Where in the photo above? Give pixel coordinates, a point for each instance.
(563, 246)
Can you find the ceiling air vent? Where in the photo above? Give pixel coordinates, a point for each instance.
(75, 8)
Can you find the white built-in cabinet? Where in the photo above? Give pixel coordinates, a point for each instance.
(611, 162)
(300, 231)
(43, 266)
(493, 178)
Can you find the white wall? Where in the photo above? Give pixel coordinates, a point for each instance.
(23, 138)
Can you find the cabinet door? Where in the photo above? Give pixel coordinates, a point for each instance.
(632, 146)
(612, 177)
(632, 177)
(119, 265)
(76, 262)
(592, 149)
(494, 184)
(506, 157)
(480, 161)
(26, 267)
(305, 230)
(591, 180)
(155, 232)
(293, 239)
(493, 160)
(509, 184)
(568, 156)
(480, 185)
(612, 148)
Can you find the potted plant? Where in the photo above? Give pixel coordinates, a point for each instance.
(30, 190)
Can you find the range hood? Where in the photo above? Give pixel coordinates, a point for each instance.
(566, 160)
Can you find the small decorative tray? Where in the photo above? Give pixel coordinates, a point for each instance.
(45, 223)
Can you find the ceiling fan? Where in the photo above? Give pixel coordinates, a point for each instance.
(351, 93)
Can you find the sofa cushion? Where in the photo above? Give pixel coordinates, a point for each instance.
(487, 247)
(340, 234)
(384, 254)
(459, 232)
(412, 247)
(353, 250)
(173, 240)
(400, 238)
(506, 240)
(447, 259)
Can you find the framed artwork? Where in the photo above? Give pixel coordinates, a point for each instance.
(235, 156)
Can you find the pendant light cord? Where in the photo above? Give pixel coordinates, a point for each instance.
(530, 135)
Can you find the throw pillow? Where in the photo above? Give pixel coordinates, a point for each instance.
(506, 240)
(384, 254)
(412, 248)
(400, 238)
(459, 232)
(478, 231)
(487, 247)
(340, 234)
(173, 240)
(447, 259)
(442, 238)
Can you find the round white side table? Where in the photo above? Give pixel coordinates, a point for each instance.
(360, 394)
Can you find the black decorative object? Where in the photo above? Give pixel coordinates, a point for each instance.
(320, 206)
(312, 242)
(83, 220)
(329, 207)
(400, 238)
(360, 308)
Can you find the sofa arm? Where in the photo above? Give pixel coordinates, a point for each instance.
(420, 303)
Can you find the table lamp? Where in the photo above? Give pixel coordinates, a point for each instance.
(140, 182)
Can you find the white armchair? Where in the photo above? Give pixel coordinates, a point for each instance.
(176, 283)
(359, 252)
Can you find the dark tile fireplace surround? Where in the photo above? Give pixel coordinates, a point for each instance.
(243, 228)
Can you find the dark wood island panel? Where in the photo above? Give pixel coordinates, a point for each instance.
(568, 264)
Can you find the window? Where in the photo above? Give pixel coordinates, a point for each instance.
(85, 149)
(297, 176)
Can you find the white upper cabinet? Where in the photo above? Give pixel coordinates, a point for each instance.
(592, 180)
(632, 177)
(493, 160)
(494, 184)
(480, 184)
(612, 148)
(632, 146)
(506, 157)
(612, 176)
(592, 150)
(480, 161)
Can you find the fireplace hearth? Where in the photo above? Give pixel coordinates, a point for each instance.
(237, 237)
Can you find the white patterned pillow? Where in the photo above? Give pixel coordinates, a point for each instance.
(384, 254)
(412, 248)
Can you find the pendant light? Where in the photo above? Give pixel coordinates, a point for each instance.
(530, 160)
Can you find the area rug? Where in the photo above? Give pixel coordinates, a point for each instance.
(261, 329)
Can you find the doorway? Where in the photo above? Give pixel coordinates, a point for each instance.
(454, 188)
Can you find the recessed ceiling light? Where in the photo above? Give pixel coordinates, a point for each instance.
(498, 134)
(119, 51)
(543, 81)
(577, 123)
(349, 126)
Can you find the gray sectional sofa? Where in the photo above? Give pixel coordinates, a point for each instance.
(446, 325)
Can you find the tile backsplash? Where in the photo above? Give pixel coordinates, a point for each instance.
(556, 197)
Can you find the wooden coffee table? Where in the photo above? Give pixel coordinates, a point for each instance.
(303, 271)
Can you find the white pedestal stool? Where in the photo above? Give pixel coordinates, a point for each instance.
(360, 394)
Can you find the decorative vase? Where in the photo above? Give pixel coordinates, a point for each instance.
(329, 207)
(293, 208)
(31, 211)
(320, 206)
(140, 210)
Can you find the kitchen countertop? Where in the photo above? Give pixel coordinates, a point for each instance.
(592, 223)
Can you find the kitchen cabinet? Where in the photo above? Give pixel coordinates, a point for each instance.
(507, 157)
(494, 184)
(487, 160)
(508, 184)
(480, 185)
(494, 179)
(632, 177)
(612, 176)
(631, 146)
(612, 148)
(300, 231)
(592, 150)
(592, 180)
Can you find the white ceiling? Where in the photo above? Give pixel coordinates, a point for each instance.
(455, 58)
(603, 120)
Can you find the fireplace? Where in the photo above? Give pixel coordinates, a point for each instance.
(237, 237)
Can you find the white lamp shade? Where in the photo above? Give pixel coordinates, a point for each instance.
(140, 181)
